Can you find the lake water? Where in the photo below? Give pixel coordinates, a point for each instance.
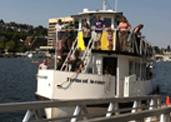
(18, 83)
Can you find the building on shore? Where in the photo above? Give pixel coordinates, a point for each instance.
(36, 42)
(51, 29)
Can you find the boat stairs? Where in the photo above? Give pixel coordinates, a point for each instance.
(144, 109)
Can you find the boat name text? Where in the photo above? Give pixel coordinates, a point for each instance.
(86, 81)
(42, 77)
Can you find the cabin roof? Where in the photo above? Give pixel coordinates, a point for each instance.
(96, 13)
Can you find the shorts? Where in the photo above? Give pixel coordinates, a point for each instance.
(60, 35)
(97, 36)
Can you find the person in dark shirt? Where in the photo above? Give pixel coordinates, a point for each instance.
(77, 64)
(69, 28)
(99, 26)
(59, 64)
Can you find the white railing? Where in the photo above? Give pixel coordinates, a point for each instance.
(113, 113)
(145, 48)
(87, 55)
(71, 53)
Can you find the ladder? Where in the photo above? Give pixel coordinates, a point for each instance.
(71, 53)
(86, 55)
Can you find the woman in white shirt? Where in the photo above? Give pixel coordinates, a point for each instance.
(59, 29)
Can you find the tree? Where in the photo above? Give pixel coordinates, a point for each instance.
(10, 46)
(168, 48)
(21, 48)
(157, 50)
(2, 46)
(2, 21)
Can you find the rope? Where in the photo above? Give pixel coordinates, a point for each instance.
(61, 85)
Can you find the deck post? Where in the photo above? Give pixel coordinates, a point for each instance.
(84, 109)
(152, 103)
(28, 116)
(38, 114)
(135, 105)
(116, 108)
(158, 103)
(110, 108)
(165, 117)
(76, 112)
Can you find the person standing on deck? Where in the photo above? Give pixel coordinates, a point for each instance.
(86, 34)
(110, 38)
(99, 26)
(138, 36)
(43, 65)
(77, 63)
(124, 29)
(69, 28)
(59, 28)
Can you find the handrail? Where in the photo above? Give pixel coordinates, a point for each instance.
(34, 107)
(97, 114)
(143, 47)
(87, 54)
(8, 107)
(72, 50)
(131, 116)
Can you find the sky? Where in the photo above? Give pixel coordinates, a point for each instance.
(154, 14)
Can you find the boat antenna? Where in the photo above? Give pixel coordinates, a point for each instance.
(116, 5)
(104, 4)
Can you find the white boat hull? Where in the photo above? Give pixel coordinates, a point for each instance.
(69, 86)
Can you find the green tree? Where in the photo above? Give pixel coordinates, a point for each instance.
(168, 48)
(10, 46)
(2, 46)
(2, 21)
(21, 48)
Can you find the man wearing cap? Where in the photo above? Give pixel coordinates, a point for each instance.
(69, 33)
(77, 64)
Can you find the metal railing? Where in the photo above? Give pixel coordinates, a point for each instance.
(141, 116)
(145, 48)
(71, 53)
(112, 113)
(87, 54)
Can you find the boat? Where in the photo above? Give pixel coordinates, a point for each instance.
(131, 76)
(163, 58)
(36, 54)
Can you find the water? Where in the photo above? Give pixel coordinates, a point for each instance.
(163, 78)
(18, 83)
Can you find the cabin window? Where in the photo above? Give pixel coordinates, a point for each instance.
(83, 22)
(137, 70)
(76, 24)
(131, 71)
(143, 71)
(109, 66)
(108, 22)
(92, 21)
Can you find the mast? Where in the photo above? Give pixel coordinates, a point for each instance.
(104, 4)
(116, 5)
(56, 44)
